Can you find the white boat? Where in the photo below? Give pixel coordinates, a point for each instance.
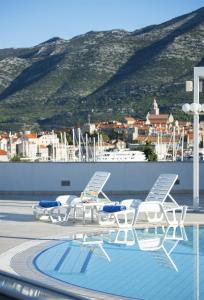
(122, 155)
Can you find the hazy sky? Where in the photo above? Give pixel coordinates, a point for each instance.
(29, 22)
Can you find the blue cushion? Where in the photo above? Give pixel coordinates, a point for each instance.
(47, 203)
(113, 208)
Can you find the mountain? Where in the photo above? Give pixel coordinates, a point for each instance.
(105, 74)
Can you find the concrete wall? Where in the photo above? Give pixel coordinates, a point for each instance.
(125, 177)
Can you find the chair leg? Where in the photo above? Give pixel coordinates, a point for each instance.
(66, 218)
(74, 214)
(36, 214)
(106, 219)
(125, 215)
(58, 219)
(58, 215)
(182, 209)
(171, 222)
(183, 233)
(136, 216)
(84, 212)
(183, 214)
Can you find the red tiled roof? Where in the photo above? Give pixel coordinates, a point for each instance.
(31, 135)
(139, 122)
(162, 116)
(111, 126)
(158, 122)
(3, 152)
(154, 139)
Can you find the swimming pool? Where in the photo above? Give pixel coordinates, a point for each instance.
(157, 263)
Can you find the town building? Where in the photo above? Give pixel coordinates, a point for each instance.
(154, 118)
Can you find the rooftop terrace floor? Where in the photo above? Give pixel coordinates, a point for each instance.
(22, 237)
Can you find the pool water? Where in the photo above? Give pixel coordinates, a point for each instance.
(157, 263)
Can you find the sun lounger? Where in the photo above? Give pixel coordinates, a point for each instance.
(155, 206)
(55, 211)
(90, 197)
(95, 187)
(156, 202)
(66, 202)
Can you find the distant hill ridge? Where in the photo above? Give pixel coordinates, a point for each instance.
(106, 74)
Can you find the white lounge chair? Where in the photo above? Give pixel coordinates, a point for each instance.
(95, 187)
(66, 202)
(90, 200)
(60, 210)
(156, 202)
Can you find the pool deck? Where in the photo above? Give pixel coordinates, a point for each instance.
(22, 237)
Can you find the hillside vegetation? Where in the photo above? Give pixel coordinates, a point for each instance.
(107, 74)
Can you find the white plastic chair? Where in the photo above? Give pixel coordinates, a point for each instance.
(55, 214)
(90, 194)
(95, 186)
(90, 200)
(156, 204)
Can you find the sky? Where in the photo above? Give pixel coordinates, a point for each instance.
(25, 23)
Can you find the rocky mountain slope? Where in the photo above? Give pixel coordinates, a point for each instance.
(107, 74)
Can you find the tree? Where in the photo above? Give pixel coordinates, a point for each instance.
(105, 137)
(16, 158)
(149, 152)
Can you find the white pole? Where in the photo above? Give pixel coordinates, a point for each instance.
(98, 144)
(94, 142)
(53, 146)
(196, 145)
(65, 146)
(182, 144)
(101, 143)
(73, 139)
(196, 262)
(196, 109)
(57, 153)
(87, 154)
(203, 142)
(23, 148)
(60, 148)
(174, 150)
(79, 137)
(157, 144)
